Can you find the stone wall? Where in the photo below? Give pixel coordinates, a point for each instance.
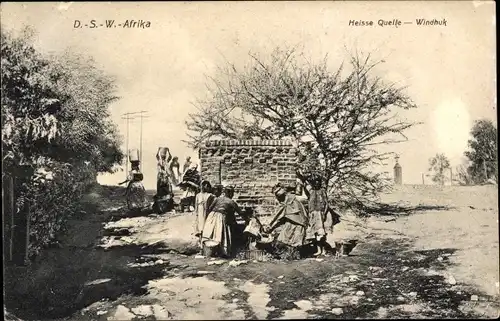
(252, 167)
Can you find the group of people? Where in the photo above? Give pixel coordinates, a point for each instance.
(174, 167)
(295, 226)
(169, 175)
(168, 165)
(215, 221)
(302, 226)
(298, 222)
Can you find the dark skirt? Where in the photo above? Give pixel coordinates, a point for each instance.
(291, 234)
(136, 196)
(163, 204)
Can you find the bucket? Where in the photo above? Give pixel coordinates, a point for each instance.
(209, 248)
(133, 155)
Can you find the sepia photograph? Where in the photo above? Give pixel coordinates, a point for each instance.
(249, 160)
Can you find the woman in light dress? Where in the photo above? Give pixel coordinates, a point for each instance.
(174, 168)
(203, 201)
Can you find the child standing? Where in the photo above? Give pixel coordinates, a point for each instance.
(318, 207)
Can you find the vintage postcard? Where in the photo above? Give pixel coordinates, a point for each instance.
(249, 160)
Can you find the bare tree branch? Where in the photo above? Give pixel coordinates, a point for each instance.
(281, 97)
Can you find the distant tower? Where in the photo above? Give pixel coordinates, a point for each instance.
(398, 172)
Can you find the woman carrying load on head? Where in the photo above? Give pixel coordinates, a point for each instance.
(164, 198)
(163, 157)
(221, 221)
(292, 218)
(135, 193)
(203, 201)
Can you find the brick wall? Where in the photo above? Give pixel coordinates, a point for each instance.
(252, 167)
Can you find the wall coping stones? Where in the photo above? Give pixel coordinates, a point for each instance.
(233, 142)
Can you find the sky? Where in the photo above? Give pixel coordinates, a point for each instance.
(449, 71)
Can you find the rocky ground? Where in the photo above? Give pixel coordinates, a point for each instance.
(435, 255)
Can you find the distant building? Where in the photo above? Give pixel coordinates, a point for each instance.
(398, 173)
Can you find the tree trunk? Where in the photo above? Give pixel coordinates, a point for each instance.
(485, 171)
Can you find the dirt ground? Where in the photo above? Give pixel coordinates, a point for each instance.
(434, 255)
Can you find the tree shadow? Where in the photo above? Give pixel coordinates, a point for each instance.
(126, 213)
(59, 290)
(389, 272)
(382, 209)
(55, 285)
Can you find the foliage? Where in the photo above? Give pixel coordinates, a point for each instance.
(89, 134)
(54, 108)
(462, 175)
(53, 196)
(30, 100)
(482, 152)
(56, 130)
(342, 117)
(438, 165)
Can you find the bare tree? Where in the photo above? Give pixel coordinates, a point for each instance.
(343, 114)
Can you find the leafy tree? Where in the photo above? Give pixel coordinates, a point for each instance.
(30, 100)
(89, 133)
(482, 151)
(56, 131)
(343, 115)
(438, 166)
(55, 108)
